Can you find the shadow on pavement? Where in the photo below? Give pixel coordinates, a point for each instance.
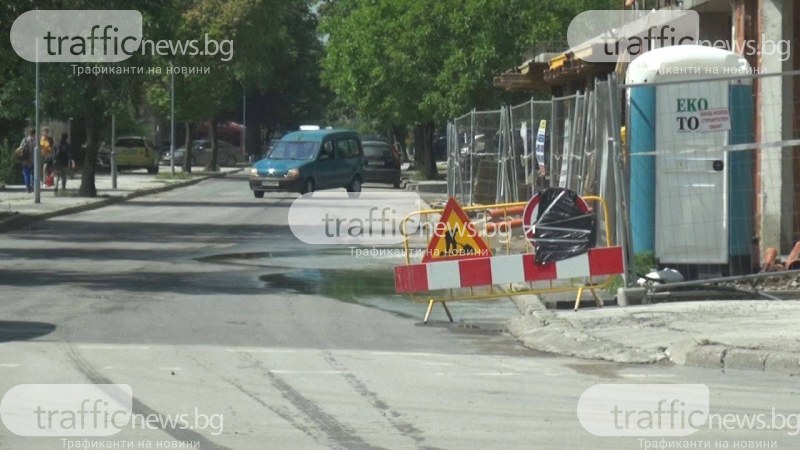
(94, 232)
(22, 331)
(200, 204)
(198, 283)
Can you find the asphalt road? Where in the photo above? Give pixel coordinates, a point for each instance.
(203, 302)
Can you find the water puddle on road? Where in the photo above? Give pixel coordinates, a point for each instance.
(372, 288)
(267, 258)
(333, 275)
(344, 285)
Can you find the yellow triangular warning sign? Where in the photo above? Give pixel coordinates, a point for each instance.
(455, 237)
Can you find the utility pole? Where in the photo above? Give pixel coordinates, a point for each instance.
(37, 157)
(113, 150)
(172, 122)
(244, 121)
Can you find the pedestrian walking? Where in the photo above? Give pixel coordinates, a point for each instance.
(24, 155)
(61, 160)
(46, 147)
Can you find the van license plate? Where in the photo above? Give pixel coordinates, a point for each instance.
(269, 183)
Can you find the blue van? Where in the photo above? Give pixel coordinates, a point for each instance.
(305, 161)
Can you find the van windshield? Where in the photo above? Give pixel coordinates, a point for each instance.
(294, 150)
(129, 142)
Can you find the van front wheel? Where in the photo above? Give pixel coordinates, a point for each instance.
(355, 185)
(308, 186)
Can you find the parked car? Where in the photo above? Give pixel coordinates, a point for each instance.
(227, 154)
(131, 152)
(381, 163)
(305, 161)
(374, 137)
(164, 148)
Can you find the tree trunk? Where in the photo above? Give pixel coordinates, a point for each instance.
(187, 155)
(423, 154)
(418, 147)
(212, 136)
(399, 133)
(251, 139)
(88, 188)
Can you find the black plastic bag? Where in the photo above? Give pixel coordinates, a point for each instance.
(563, 228)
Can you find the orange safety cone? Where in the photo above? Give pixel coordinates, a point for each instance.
(769, 262)
(793, 262)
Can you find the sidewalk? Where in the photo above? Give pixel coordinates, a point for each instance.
(17, 207)
(751, 335)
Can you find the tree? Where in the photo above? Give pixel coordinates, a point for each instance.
(89, 98)
(274, 59)
(272, 62)
(422, 62)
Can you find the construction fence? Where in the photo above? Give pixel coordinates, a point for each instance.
(700, 173)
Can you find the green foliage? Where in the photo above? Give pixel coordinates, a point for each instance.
(166, 176)
(413, 61)
(644, 262)
(615, 283)
(275, 59)
(10, 169)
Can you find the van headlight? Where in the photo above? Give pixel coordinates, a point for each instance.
(292, 174)
(253, 171)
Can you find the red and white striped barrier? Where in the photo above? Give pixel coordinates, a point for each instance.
(493, 270)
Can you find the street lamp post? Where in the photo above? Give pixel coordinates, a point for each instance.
(244, 121)
(113, 150)
(37, 157)
(172, 123)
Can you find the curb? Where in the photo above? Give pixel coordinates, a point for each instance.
(21, 220)
(715, 355)
(540, 329)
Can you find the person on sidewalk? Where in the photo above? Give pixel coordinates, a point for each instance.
(28, 145)
(61, 161)
(46, 147)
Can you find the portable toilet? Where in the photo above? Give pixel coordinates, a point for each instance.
(691, 197)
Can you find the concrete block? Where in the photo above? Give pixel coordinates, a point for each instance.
(706, 356)
(630, 296)
(745, 359)
(778, 362)
(677, 352)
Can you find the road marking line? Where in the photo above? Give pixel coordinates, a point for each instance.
(644, 375)
(389, 353)
(9, 365)
(113, 347)
(266, 350)
(497, 374)
(309, 372)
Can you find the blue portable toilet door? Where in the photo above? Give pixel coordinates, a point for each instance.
(691, 173)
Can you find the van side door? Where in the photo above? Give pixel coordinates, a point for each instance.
(325, 167)
(345, 148)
